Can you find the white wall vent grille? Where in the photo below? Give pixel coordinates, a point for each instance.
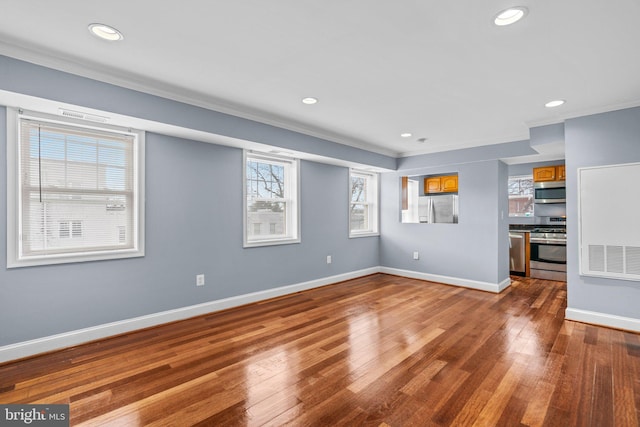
(633, 260)
(614, 259)
(596, 258)
(82, 116)
(609, 229)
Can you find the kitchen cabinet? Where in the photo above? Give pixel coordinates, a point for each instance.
(519, 253)
(432, 185)
(449, 184)
(405, 193)
(549, 173)
(441, 184)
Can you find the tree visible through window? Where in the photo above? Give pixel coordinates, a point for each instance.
(271, 200)
(521, 196)
(363, 204)
(359, 215)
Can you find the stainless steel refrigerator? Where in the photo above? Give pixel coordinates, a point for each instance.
(440, 208)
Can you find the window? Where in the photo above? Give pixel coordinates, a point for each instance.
(68, 229)
(271, 200)
(521, 196)
(76, 229)
(64, 230)
(363, 204)
(70, 186)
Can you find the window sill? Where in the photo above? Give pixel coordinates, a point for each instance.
(67, 259)
(364, 234)
(273, 242)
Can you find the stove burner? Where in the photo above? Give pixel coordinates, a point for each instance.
(549, 230)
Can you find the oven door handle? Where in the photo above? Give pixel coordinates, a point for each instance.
(562, 242)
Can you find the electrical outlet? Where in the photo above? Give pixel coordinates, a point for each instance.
(328, 259)
(416, 255)
(200, 280)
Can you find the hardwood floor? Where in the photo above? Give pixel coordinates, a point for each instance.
(380, 350)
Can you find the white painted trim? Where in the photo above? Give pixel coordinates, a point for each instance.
(131, 81)
(293, 224)
(14, 196)
(80, 336)
(504, 284)
(465, 283)
(372, 188)
(603, 319)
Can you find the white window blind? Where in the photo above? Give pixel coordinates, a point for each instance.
(77, 190)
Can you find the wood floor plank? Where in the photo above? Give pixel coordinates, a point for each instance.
(380, 350)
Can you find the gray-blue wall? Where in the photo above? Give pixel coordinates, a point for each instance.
(29, 79)
(194, 216)
(602, 139)
(193, 219)
(193, 225)
(474, 249)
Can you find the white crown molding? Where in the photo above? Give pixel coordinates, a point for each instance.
(64, 62)
(444, 146)
(584, 112)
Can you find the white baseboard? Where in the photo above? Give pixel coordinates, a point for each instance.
(472, 284)
(603, 319)
(80, 336)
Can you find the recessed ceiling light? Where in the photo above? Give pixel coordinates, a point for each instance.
(510, 16)
(309, 100)
(405, 135)
(554, 103)
(105, 32)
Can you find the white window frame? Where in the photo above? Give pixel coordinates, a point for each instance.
(291, 199)
(15, 258)
(372, 199)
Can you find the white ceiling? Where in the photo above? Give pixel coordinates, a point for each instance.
(440, 70)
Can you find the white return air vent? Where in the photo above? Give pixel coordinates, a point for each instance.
(614, 259)
(82, 116)
(609, 221)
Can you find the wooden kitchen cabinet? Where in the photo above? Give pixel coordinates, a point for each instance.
(449, 184)
(545, 173)
(432, 185)
(441, 184)
(405, 192)
(549, 173)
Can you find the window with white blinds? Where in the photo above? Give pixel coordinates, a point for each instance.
(77, 192)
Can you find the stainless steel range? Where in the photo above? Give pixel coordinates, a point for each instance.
(548, 244)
